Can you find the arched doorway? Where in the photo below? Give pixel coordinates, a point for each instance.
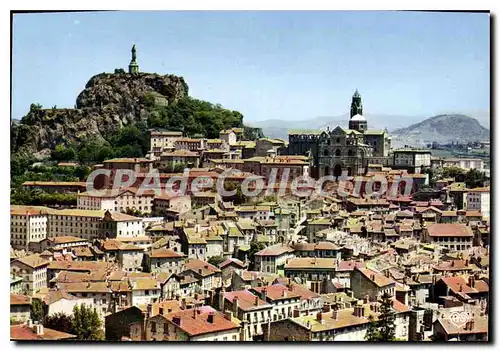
(337, 171)
(327, 170)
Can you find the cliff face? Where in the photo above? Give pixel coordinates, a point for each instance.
(108, 102)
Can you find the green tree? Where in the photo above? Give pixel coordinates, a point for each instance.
(372, 334)
(474, 178)
(254, 248)
(383, 329)
(62, 153)
(86, 324)
(216, 260)
(451, 172)
(36, 311)
(59, 321)
(386, 326)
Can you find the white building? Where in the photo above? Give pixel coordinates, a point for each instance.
(123, 200)
(413, 159)
(162, 141)
(145, 291)
(479, 199)
(27, 224)
(33, 270)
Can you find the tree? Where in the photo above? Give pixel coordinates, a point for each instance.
(451, 172)
(474, 178)
(36, 312)
(382, 329)
(386, 326)
(254, 248)
(216, 260)
(372, 334)
(62, 153)
(86, 323)
(59, 321)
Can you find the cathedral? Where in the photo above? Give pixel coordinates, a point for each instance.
(344, 150)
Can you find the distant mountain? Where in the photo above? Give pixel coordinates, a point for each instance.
(276, 128)
(442, 129)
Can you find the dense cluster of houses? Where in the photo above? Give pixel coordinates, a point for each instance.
(197, 267)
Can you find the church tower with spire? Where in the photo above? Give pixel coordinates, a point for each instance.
(357, 121)
(133, 67)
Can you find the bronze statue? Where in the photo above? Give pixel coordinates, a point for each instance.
(134, 53)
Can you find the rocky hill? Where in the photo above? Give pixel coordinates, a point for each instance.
(108, 102)
(442, 129)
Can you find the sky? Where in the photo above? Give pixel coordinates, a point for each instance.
(267, 65)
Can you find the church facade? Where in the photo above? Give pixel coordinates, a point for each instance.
(339, 150)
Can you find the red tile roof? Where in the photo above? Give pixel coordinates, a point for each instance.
(166, 253)
(349, 265)
(277, 292)
(246, 300)
(24, 332)
(234, 261)
(196, 322)
(16, 299)
(449, 229)
(275, 250)
(378, 279)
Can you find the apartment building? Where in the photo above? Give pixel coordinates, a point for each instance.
(33, 270)
(28, 224)
(478, 199)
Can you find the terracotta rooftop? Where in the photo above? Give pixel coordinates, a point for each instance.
(275, 250)
(310, 263)
(378, 279)
(33, 261)
(349, 265)
(246, 300)
(449, 229)
(16, 299)
(233, 261)
(201, 267)
(56, 295)
(24, 333)
(196, 323)
(277, 292)
(93, 287)
(165, 253)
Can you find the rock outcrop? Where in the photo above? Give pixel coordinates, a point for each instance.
(108, 102)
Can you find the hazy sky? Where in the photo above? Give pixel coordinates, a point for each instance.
(286, 65)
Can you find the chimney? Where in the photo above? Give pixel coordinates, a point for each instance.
(471, 323)
(319, 317)
(283, 294)
(366, 299)
(256, 301)
(210, 318)
(228, 315)
(38, 329)
(236, 305)
(372, 277)
(327, 307)
(472, 281)
(30, 323)
(335, 315)
(149, 310)
(177, 320)
(183, 303)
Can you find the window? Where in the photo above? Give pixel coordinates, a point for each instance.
(147, 292)
(337, 152)
(153, 327)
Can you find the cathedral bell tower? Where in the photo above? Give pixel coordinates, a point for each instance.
(357, 121)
